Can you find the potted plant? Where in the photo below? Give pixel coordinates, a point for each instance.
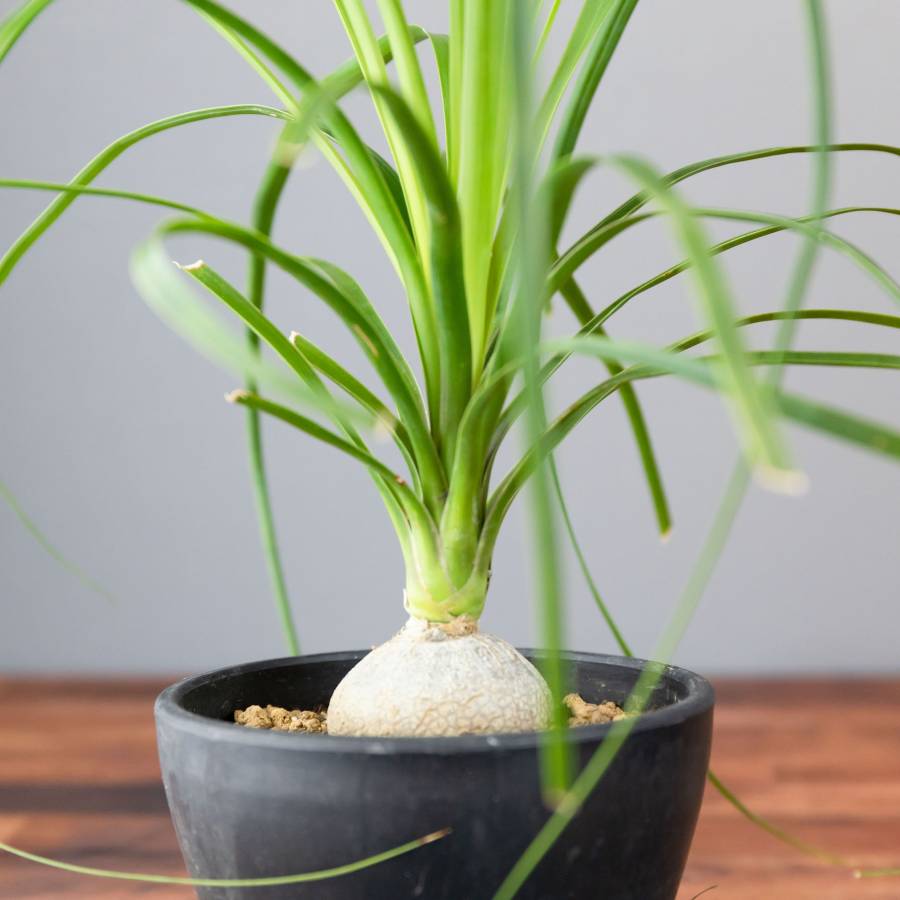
(445, 735)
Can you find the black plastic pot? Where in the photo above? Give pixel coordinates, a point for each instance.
(250, 803)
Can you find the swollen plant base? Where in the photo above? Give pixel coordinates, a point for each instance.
(435, 680)
(440, 680)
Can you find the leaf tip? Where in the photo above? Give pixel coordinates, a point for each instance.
(665, 535)
(286, 153)
(191, 267)
(236, 396)
(791, 482)
(385, 427)
(435, 836)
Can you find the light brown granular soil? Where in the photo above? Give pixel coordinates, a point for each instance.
(315, 721)
(584, 713)
(281, 719)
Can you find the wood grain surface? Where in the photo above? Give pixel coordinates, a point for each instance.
(79, 780)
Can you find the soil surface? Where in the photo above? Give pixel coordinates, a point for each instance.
(584, 713)
(280, 719)
(316, 721)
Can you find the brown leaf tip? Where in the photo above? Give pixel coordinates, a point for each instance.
(435, 836)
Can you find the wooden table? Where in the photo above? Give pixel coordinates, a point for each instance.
(79, 780)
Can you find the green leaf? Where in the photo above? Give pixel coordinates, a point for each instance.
(803, 226)
(384, 417)
(348, 301)
(352, 386)
(548, 27)
(254, 61)
(633, 204)
(653, 362)
(566, 265)
(365, 181)
(844, 315)
(446, 266)
(349, 75)
(453, 112)
(522, 335)
(881, 319)
(185, 314)
(320, 875)
(14, 25)
(595, 15)
(268, 195)
(313, 429)
(752, 405)
(409, 72)
(336, 85)
(50, 548)
(873, 436)
(253, 318)
(778, 833)
(106, 156)
(440, 45)
(605, 45)
(484, 148)
(636, 420)
(560, 184)
(583, 564)
(59, 187)
(359, 29)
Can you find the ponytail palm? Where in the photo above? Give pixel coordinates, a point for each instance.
(469, 208)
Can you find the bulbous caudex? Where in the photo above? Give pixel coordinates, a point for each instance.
(440, 679)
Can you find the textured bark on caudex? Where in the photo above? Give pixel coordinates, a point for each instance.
(440, 679)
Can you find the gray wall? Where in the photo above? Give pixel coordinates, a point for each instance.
(116, 439)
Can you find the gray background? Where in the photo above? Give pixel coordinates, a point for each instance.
(116, 439)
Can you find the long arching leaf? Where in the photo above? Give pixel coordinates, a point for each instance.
(348, 301)
(605, 44)
(49, 547)
(381, 206)
(581, 251)
(639, 200)
(652, 362)
(752, 405)
(386, 481)
(315, 430)
(320, 875)
(265, 204)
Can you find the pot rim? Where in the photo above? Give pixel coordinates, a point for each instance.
(699, 698)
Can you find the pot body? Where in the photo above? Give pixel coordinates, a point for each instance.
(249, 803)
